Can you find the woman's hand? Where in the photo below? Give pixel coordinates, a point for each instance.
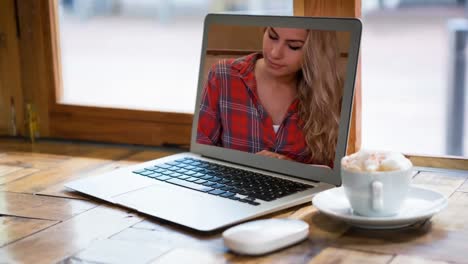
(270, 154)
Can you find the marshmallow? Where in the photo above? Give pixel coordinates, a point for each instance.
(371, 165)
(372, 161)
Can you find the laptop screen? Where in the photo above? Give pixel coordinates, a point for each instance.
(274, 91)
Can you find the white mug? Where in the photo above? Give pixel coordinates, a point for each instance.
(378, 193)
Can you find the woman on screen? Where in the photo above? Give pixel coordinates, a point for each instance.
(282, 103)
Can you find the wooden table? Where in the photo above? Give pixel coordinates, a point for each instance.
(41, 222)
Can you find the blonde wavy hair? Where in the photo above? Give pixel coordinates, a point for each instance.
(320, 89)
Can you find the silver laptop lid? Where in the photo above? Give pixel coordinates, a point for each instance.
(224, 128)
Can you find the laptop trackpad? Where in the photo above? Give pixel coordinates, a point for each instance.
(184, 206)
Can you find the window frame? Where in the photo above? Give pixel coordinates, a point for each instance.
(37, 63)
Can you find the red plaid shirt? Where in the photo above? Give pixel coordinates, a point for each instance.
(232, 116)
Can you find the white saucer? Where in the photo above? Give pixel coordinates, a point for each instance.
(421, 204)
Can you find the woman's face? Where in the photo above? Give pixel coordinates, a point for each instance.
(282, 50)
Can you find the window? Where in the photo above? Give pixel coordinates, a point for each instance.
(406, 76)
(138, 54)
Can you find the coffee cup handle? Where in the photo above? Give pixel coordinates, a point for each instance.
(377, 195)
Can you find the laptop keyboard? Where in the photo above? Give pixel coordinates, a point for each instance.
(231, 183)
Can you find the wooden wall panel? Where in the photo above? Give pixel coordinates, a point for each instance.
(10, 78)
(117, 131)
(226, 37)
(235, 37)
(35, 58)
(327, 8)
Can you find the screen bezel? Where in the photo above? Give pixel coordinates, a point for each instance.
(290, 168)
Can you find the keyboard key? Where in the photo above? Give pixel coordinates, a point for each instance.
(200, 181)
(190, 185)
(139, 171)
(206, 177)
(146, 173)
(163, 178)
(155, 175)
(215, 179)
(279, 193)
(216, 192)
(227, 194)
(208, 183)
(213, 167)
(240, 191)
(227, 188)
(164, 166)
(175, 174)
(253, 203)
(191, 179)
(183, 177)
(218, 186)
(190, 173)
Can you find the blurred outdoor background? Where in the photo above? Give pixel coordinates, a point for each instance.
(145, 54)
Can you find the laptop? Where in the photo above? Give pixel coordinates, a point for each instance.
(242, 163)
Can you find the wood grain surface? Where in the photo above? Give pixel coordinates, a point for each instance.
(13, 228)
(41, 222)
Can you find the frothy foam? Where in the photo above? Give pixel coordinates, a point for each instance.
(369, 161)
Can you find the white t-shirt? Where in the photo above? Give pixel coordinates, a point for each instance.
(275, 128)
